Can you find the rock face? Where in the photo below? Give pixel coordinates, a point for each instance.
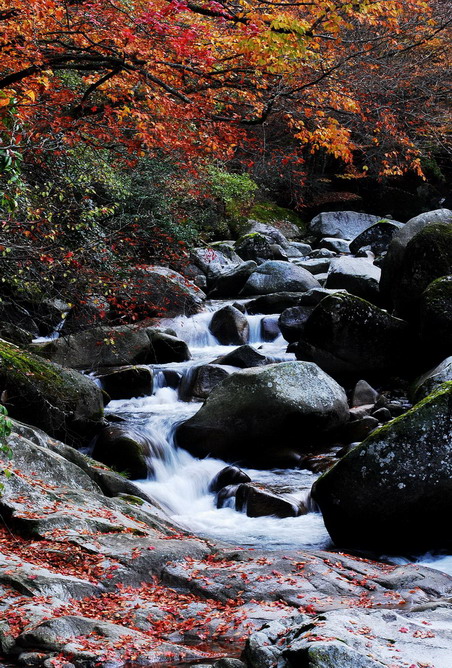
(396, 251)
(275, 276)
(265, 415)
(341, 224)
(392, 492)
(64, 403)
(347, 335)
(435, 319)
(230, 326)
(357, 275)
(427, 256)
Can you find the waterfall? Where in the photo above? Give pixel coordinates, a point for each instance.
(180, 482)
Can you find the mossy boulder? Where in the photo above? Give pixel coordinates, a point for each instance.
(266, 416)
(393, 492)
(346, 335)
(62, 402)
(435, 319)
(394, 258)
(428, 256)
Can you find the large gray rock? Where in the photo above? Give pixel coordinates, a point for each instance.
(392, 492)
(357, 275)
(127, 382)
(272, 233)
(243, 357)
(65, 403)
(266, 415)
(230, 326)
(292, 322)
(347, 335)
(341, 224)
(393, 261)
(259, 248)
(229, 282)
(214, 261)
(275, 276)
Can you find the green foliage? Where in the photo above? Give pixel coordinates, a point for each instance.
(235, 191)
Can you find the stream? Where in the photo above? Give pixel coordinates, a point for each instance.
(180, 481)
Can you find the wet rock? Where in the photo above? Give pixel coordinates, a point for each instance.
(432, 379)
(270, 328)
(253, 415)
(358, 276)
(127, 382)
(359, 429)
(225, 497)
(206, 377)
(230, 326)
(275, 276)
(256, 501)
(166, 348)
(341, 224)
(349, 336)
(243, 357)
(126, 451)
(229, 282)
(363, 394)
(230, 475)
(401, 475)
(292, 321)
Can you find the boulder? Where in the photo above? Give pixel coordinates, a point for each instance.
(64, 403)
(377, 237)
(435, 319)
(259, 248)
(274, 276)
(348, 335)
(204, 379)
(272, 233)
(243, 357)
(356, 275)
(257, 501)
(314, 265)
(392, 492)
(230, 475)
(114, 346)
(393, 260)
(427, 256)
(431, 380)
(363, 394)
(229, 282)
(127, 382)
(335, 245)
(292, 321)
(270, 328)
(126, 451)
(230, 326)
(212, 261)
(341, 224)
(266, 415)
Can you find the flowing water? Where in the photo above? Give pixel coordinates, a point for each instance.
(180, 481)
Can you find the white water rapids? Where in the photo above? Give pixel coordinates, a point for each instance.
(180, 482)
